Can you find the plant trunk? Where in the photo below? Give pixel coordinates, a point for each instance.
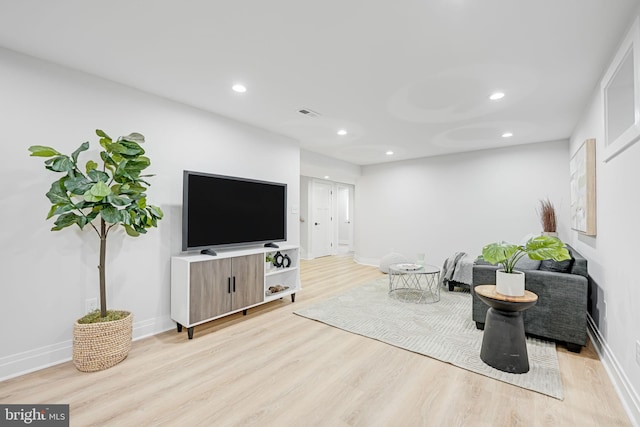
(101, 268)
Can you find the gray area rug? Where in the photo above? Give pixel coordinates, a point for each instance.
(443, 330)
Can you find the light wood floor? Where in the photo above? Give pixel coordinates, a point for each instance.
(273, 368)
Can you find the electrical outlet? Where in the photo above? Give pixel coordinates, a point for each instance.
(91, 304)
(638, 352)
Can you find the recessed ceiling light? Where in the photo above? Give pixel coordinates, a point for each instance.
(239, 88)
(496, 95)
(342, 132)
(507, 135)
(389, 153)
(326, 177)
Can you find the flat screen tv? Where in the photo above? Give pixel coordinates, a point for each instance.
(223, 211)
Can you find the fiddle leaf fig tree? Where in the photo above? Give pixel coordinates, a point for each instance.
(537, 248)
(101, 197)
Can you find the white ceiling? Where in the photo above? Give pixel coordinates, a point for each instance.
(411, 76)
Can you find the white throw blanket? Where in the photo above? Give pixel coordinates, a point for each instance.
(459, 268)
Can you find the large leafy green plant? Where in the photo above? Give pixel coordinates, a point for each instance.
(114, 193)
(537, 248)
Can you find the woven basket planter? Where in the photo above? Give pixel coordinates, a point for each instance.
(98, 346)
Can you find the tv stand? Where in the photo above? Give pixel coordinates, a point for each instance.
(205, 288)
(208, 252)
(271, 245)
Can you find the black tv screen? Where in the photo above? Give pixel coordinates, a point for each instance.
(224, 211)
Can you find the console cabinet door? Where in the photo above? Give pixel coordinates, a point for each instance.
(209, 289)
(248, 272)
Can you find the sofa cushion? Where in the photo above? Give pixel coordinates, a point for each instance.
(557, 266)
(526, 263)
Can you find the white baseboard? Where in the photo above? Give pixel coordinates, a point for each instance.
(150, 327)
(39, 358)
(373, 262)
(624, 388)
(28, 361)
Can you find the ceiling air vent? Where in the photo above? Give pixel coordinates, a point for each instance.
(307, 112)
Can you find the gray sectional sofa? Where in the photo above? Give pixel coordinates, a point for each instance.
(562, 289)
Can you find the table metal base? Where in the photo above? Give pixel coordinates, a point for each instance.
(418, 286)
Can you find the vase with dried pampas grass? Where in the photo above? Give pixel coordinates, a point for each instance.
(548, 218)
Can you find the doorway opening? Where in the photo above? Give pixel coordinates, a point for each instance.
(326, 217)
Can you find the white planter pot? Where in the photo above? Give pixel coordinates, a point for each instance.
(510, 284)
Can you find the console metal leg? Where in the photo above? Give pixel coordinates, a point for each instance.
(293, 297)
(179, 327)
(244, 312)
(190, 332)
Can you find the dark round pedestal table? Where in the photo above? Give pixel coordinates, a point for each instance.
(504, 344)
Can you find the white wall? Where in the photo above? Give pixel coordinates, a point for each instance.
(47, 276)
(441, 205)
(316, 165)
(613, 255)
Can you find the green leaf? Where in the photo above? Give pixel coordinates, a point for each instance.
(60, 209)
(116, 148)
(129, 149)
(142, 202)
(78, 185)
(83, 147)
(100, 189)
(124, 174)
(97, 175)
(132, 189)
(138, 164)
(131, 231)
(92, 215)
(547, 247)
(498, 252)
(155, 211)
(111, 214)
(117, 200)
(42, 151)
(133, 137)
(106, 158)
(97, 192)
(102, 134)
(88, 197)
(117, 157)
(60, 164)
(91, 165)
(65, 220)
(126, 215)
(57, 194)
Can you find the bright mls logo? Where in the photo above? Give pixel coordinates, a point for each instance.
(35, 415)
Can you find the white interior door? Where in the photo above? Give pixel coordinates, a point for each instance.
(322, 224)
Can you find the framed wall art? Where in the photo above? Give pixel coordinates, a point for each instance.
(582, 168)
(620, 88)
